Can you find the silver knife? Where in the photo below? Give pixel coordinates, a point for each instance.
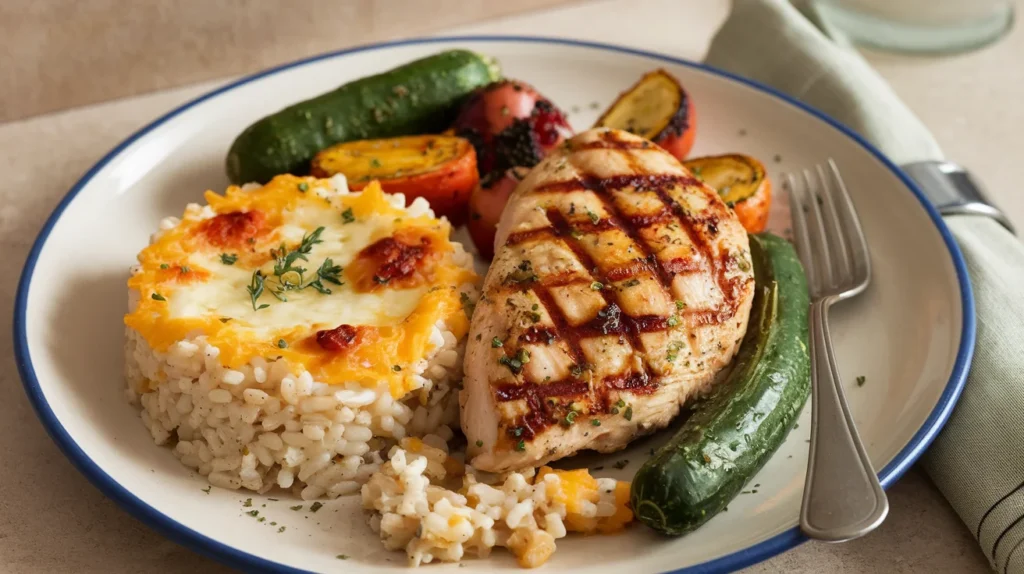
(953, 191)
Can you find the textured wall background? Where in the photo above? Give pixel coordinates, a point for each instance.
(57, 54)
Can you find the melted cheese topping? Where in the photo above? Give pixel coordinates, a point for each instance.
(191, 281)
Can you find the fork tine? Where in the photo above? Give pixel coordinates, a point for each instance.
(857, 243)
(800, 235)
(819, 238)
(842, 272)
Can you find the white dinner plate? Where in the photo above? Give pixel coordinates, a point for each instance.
(910, 335)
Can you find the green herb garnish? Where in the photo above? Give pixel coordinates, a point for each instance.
(158, 297)
(316, 506)
(515, 364)
(521, 446)
(255, 290)
(164, 266)
(596, 286)
(347, 216)
(228, 258)
(594, 218)
(282, 344)
(861, 380)
(303, 187)
(595, 422)
(495, 343)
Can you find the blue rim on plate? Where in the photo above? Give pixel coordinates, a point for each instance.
(234, 557)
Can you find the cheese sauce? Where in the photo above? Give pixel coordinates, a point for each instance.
(262, 272)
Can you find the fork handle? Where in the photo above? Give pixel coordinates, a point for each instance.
(843, 499)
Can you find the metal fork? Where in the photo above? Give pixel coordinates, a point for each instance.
(843, 499)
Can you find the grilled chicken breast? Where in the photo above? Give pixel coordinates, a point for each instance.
(620, 287)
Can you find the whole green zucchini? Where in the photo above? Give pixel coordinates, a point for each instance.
(732, 433)
(417, 98)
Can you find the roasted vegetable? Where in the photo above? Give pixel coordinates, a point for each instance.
(733, 432)
(486, 205)
(419, 97)
(440, 169)
(657, 108)
(742, 182)
(510, 125)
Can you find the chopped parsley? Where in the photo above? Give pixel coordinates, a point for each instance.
(316, 506)
(228, 258)
(496, 343)
(374, 162)
(515, 363)
(594, 218)
(280, 530)
(158, 297)
(247, 503)
(680, 305)
(342, 556)
(164, 266)
(522, 274)
(596, 286)
(621, 464)
(631, 283)
(628, 414)
(282, 344)
(185, 269)
(396, 368)
(296, 508)
(207, 490)
(253, 513)
(521, 445)
(861, 380)
(303, 187)
(479, 443)
(570, 418)
(595, 422)
(347, 216)
(673, 321)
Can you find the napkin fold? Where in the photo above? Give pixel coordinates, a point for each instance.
(977, 461)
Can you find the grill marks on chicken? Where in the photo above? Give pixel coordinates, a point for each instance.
(610, 320)
(617, 271)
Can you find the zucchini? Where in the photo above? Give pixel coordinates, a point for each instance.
(732, 433)
(416, 98)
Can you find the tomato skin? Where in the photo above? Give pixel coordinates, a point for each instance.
(510, 124)
(486, 205)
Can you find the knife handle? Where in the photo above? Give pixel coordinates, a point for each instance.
(953, 191)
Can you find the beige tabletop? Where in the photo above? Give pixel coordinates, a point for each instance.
(52, 519)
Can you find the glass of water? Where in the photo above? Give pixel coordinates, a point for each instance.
(920, 25)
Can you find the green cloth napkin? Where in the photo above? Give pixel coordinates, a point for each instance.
(977, 461)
